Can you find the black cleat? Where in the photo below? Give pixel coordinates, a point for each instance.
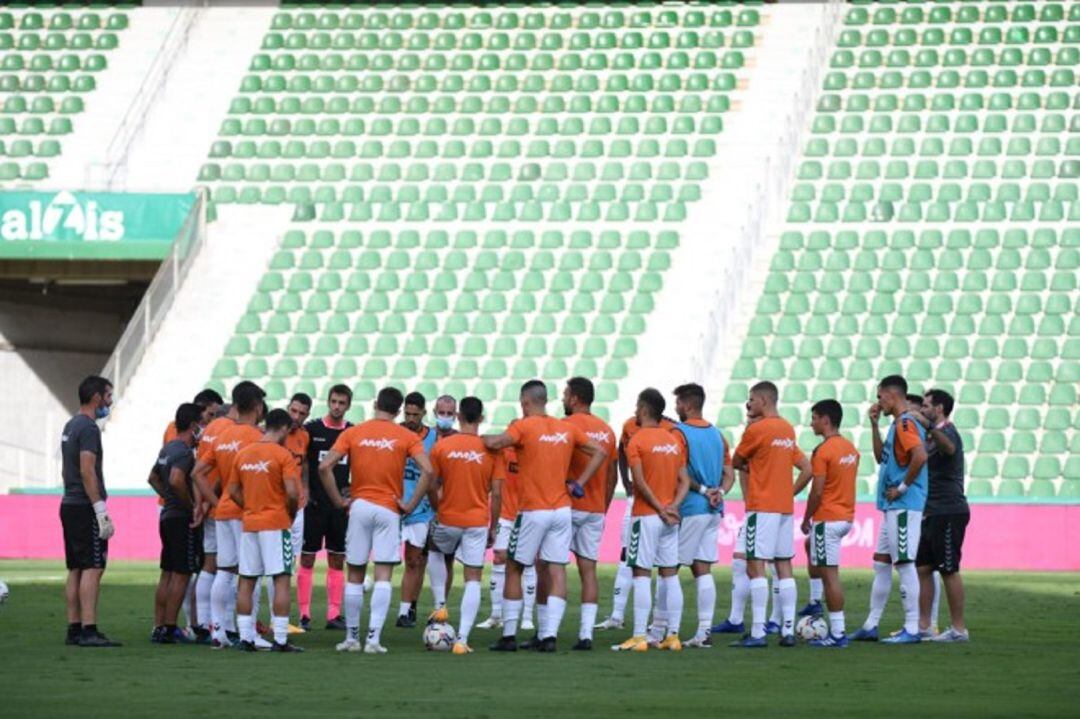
(202, 635)
(337, 623)
(583, 645)
(287, 647)
(531, 643)
(504, 644)
(233, 637)
(157, 636)
(788, 640)
(97, 639)
(247, 647)
(72, 639)
(546, 645)
(405, 621)
(305, 623)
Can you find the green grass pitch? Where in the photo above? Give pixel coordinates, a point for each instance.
(1023, 661)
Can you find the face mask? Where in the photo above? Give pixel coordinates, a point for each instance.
(444, 423)
(101, 412)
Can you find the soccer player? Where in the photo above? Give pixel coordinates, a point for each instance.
(180, 522)
(471, 481)
(414, 526)
(438, 575)
(544, 446)
(297, 442)
(624, 577)
(264, 483)
(658, 463)
(830, 510)
(587, 512)
(324, 523)
(248, 401)
(708, 464)
(377, 450)
(902, 480)
(769, 452)
(945, 519)
(83, 515)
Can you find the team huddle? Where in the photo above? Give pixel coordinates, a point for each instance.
(249, 495)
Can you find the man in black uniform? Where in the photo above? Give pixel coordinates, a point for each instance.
(945, 517)
(323, 522)
(87, 526)
(180, 522)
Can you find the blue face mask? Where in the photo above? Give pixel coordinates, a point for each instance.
(444, 423)
(101, 412)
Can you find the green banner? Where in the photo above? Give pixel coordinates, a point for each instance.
(90, 225)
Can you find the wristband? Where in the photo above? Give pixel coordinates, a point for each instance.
(941, 425)
(99, 506)
(902, 487)
(703, 490)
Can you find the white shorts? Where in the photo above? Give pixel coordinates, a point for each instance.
(415, 534)
(502, 535)
(543, 533)
(587, 528)
(768, 536)
(627, 520)
(228, 542)
(699, 539)
(467, 544)
(374, 532)
(209, 536)
(901, 530)
(268, 553)
(652, 543)
(825, 538)
(298, 533)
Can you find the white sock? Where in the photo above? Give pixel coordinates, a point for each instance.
(705, 587)
(556, 608)
(642, 604)
(219, 603)
(188, 597)
(247, 628)
(511, 615)
(909, 595)
(775, 614)
(659, 618)
(528, 580)
(230, 607)
(380, 605)
(470, 605)
(353, 605)
(674, 603)
(817, 589)
(836, 623)
(498, 581)
(256, 597)
(935, 606)
(880, 590)
(280, 627)
(789, 595)
(759, 599)
(436, 571)
(268, 582)
(740, 591)
(624, 579)
(403, 609)
(203, 587)
(541, 619)
(588, 619)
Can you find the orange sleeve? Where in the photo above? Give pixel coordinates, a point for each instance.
(819, 462)
(748, 443)
(514, 432)
(341, 445)
(580, 438)
(907, 435)
(234, 476)
(498, 468)
(727, 454)
(416, 446)
(633, 452)
(796, 455)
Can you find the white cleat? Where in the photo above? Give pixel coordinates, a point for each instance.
(349, 645)
(369, 582)
(951, 636)
(490, 623)
(610, 623)
(527, 625)
(374, 648)
(699, 641)
(261, 644)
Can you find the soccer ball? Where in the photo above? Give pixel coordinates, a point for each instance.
(809, 628)
(4, 591)
(439, 637)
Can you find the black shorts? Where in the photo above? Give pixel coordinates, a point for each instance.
(942, 542)
(83, 548)
(181, 545)
(324, 524)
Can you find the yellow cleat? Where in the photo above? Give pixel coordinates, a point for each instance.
(462, 648)
(293, 629)
(671, 643)
(440, 615)
(633, 644)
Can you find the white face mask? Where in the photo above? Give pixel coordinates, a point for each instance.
(444, 423)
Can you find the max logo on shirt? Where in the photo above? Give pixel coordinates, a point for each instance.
(784, 443)
(379, 444)
(208, 438)
(260, 467)
(848, 459)
(467, 456)
(233, 446)
(665, 449)
(601, 437)
(555, 438)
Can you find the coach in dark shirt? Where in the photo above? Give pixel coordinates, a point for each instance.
(945, 517)
(86, 523)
